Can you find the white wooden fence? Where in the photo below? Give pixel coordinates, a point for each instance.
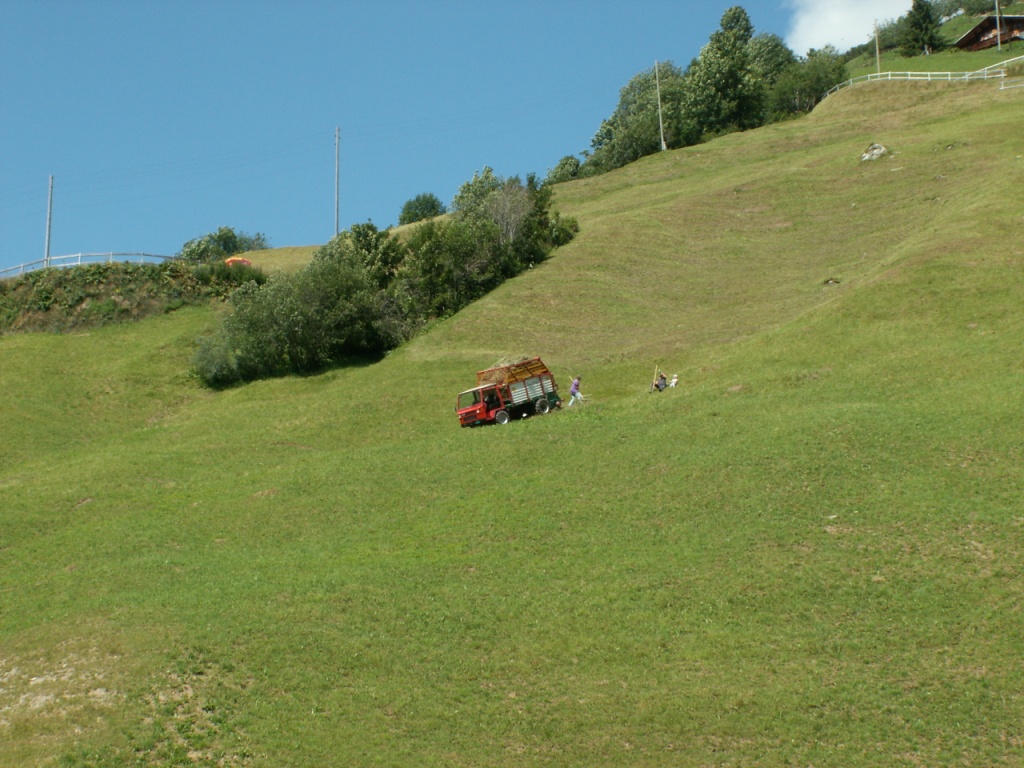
(991, 72)
(78, 259)
(1002, 64)
(981, 74)
(1011, 82)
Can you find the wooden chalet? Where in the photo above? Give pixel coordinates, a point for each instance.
(984, 35)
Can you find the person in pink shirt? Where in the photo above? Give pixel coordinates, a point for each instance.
(574, 391)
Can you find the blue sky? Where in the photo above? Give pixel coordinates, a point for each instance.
(161, 121)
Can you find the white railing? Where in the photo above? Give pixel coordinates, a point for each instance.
(989, 73)
(1014, 82)
(1002, 64)
(77, 259)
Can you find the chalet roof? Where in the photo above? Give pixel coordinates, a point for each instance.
(983, 34)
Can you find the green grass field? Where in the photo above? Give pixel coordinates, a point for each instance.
(947, 61)
(807, 554)
(289, 259)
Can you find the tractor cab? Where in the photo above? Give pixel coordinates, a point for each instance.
(483, 404)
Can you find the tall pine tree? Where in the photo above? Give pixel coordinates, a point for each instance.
(922, 30)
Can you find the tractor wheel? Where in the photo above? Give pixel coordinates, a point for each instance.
(543, 406)
(501, 417)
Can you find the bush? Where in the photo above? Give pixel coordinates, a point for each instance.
(568, 168)
(421, 207)
(562, 229)
(449, 265)
(97, 294)
(216, 363)
(803, 84)
(365, 292)
(982, 7)
(219, 245)
(378, 252)
(221, 278)
(301, 323)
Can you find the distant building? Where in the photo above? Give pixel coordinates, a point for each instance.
(985, 35)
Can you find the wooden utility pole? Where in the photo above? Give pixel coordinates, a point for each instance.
(661, 126)
(878, 52)
(49, 220)
(337, 172)
(999, 31)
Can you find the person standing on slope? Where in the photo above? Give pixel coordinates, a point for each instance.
(574, 392)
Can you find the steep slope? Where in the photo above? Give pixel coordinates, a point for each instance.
(807, 554)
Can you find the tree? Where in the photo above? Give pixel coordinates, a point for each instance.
(803, 84)
(488, 197)
(769, 57)
(979, 7)
(423, 206)
(889, 34)
(498, 228)
(634, 130)
(946, 9)
(378, 252)
(723, 91)
(921, 34)
(568, 168)
(473, 198)
(508, 207)
(221, 244)
(448, 266)
(892, 32)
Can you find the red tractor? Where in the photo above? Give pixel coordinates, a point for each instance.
(510, 391)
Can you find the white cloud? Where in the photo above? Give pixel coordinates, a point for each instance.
(842, 23)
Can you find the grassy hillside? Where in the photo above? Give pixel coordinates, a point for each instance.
(809, 553)
(290, 259)
(946, 61)
(960, 25)
(950, 60)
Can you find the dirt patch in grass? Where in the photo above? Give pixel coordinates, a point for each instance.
(73, 703)
(34, 685)
(49, 698)
(190, 713)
